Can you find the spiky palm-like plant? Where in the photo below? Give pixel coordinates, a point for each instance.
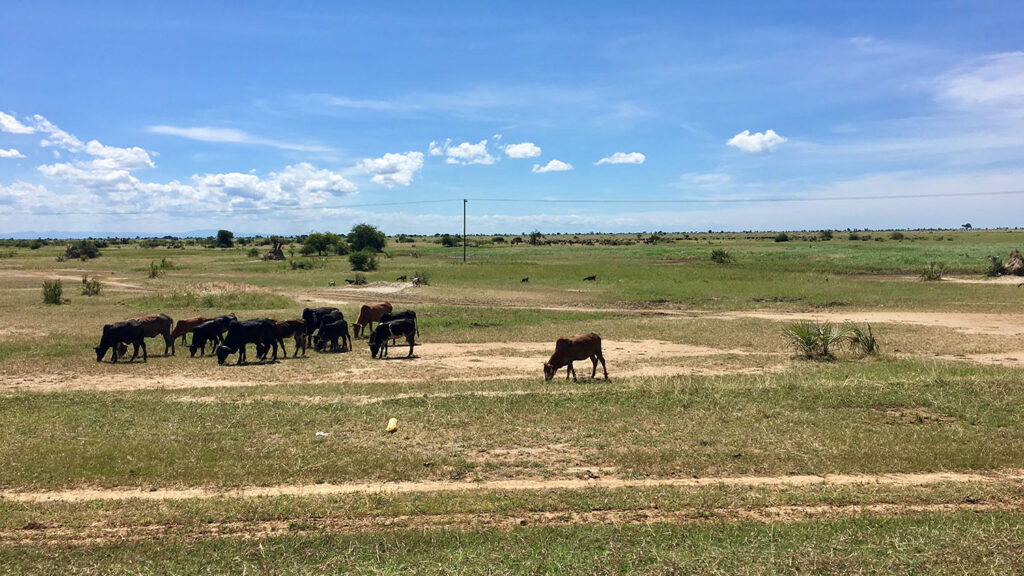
(804, 335)
(863, 340)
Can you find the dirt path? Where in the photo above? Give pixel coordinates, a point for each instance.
(101, 533)
(536, 484)
(109, 283)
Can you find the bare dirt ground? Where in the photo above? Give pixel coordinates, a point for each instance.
(441, 362)
(534, 484)
(968, 323)
(111, 283)
(104, 533)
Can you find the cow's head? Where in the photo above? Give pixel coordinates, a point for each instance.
(101, 351)
(223, 352)
(549, 371)
(192, 348)
(374, 345)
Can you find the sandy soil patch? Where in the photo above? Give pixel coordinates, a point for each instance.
(996, 281)
(1011, 358)
(109, 283)
(374, 288)
(968, 323)
(534, 484)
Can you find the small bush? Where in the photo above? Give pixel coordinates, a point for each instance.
(61, 258)
(932, 272)
(424, 277)
(862, 340)
(363, 261)
(721, 256)
(825, 235)
(498, 240)
(815, 340)
(307, 263)
(154, 269)
(253, 252)
(53, 292)
(853, 236)
(90, 287)
(449, 241)
(995, 266)
(83, 249)
(166, 264)
(782, 237)
(896, 236)
(360, 279)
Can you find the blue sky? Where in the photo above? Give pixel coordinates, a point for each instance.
(278, 118)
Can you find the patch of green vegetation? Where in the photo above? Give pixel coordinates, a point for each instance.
(180, 299)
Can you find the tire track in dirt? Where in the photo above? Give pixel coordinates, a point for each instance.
(99, 534)
(533, 484)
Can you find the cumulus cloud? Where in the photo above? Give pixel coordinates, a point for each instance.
(11, 125)
(522, 150)
(756, 143)
(622, 158)
(552, 166)
(12, 153)
(233, 136)
(436, 149)
(393, 169)
(993, 79)
(464, 153)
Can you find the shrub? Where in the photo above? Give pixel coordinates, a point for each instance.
(36, 244)
(90, 287)
(403, 239)
(816, 340)
(363, 261)
(825, 235)
(360, 279)
(253, 252)
(782, 237)
(896, 235)
(995, 266)
(498, 240)
(449, 241)
(424, 277)
(154, 269)
(53, 292)
(932, 272)
(721, 256)
(861, 340)
(61, 258)
(853, 236)
(225, 239)
(307, 264)
(166, 264)
(83, 249)
(536, 237)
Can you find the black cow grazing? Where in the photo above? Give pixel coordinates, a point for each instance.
(401, 315)
(590, 278)
(225, 321)
(525, 280)
(390, 330)
(208, 331)
(261, 331)
(131, 331)
(330, 332)
(296, 329)
(314, 317)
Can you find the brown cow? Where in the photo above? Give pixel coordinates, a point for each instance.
(185, 326)
(368, 314)
(158, 325)
(296, 328)
(568, 350)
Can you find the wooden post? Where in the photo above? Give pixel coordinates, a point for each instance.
(464, 229)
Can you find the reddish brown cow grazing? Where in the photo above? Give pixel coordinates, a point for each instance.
(158, 325)
(186, 326)
(296, 328)
(568, 350)
(368, 314)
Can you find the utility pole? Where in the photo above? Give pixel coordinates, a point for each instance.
(464, 200)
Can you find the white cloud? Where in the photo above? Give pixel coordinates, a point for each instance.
(437, 150)
(622, 158)
(705, 181)
(552, 166)
(756, 143)
(393, 169)
(522, 150)
(994, 79)
(232, 136)
(467, 153)
(12, 153)
(57, 137)
(11, 125)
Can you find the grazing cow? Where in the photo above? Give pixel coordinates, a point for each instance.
(158, 325)
(330, 284)
(402, 278)
(590, 278)
(390, 330)
(118, 332)
(525, 280)
(568, 350)
(401, 315)
(261, 331)
(208, 331)
(329, 333)
(368, 314)
(184, 326)
(296, 328)
(314, 317)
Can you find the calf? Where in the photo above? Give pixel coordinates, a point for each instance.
(568, 350)
(158, 325)
(184, 326)
(314, 317)
(118, 332)
(261, 331)
(390, 330)
(208, 331)
(368, 314)
(295, 328)
(330, 332)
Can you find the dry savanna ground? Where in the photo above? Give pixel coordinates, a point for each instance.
(714, 446)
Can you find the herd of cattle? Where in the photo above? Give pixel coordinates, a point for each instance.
(322, 328)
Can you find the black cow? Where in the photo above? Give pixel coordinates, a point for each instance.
(208, 331)
(131, 331)
(314, 317)
(261, 331)
(225, 321)
(330, 332)
(390, 330)
(401, 315)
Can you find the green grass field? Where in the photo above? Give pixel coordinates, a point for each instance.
(704, 386)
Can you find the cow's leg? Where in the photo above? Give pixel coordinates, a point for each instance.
(603, 367)
(570, 370)
(412, 343)
(142, 342)
(594, 371)
(283, 349)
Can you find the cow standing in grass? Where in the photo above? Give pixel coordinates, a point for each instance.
(315, 317)
(295, 328)
(368, 314)
(115, 334)
(158, 325)
(329, 333)
(185, 326)
(389, 331)
(208, 331)
(262, 332)
(568, 350)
